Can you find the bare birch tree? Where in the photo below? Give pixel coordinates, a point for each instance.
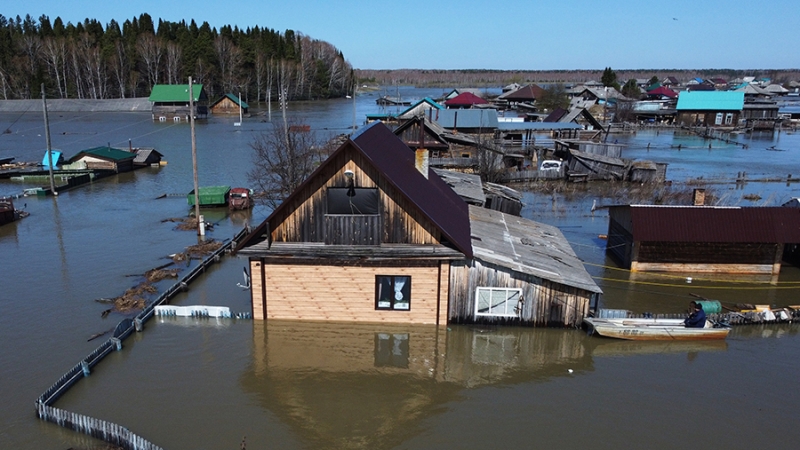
(174, 53)
(54, 53)
(281, 162)
(151, 50)
(120, 67)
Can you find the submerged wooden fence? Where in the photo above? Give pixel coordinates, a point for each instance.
(101, 429)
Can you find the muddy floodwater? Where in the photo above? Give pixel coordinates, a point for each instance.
(212, 384)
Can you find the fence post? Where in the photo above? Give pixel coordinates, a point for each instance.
(85, 367)
(137, 324)
(117, 343)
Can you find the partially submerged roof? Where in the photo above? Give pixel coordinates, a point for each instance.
(527, 247)
(107, 153)
(767, 225)
(174, 92)
(234, 99)
(418, 107)
(710, 101)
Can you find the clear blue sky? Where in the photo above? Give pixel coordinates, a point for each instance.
(486, 34)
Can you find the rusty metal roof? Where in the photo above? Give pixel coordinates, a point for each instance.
(715, 224)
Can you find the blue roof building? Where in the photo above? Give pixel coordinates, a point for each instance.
(710, 108)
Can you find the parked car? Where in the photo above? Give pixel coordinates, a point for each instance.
(550, 165)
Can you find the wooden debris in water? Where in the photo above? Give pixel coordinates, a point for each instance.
(156, 275)
(200, 250)
(133, 299)
(184, 223)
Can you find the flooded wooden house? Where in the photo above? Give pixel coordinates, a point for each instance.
(447, 148)
(709, 108)
(700, 239)
(229, 104)
(420, 108)
(106, 159)
(171, 102)
(147, 157)
(373, 235)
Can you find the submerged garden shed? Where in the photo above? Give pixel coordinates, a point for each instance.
(702, 238)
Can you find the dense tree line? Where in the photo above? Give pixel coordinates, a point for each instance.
(497, 78)
(90, 61)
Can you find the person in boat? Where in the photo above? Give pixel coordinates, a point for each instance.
(697, 317)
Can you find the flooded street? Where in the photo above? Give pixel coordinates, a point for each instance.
(207, 384)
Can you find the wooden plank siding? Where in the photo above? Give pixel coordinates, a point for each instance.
(544, 302)
(400, 220)
(331, 291)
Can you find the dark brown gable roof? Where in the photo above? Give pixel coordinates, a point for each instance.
(395, 161)
(526, 93)
(709, 224)
(434, 198)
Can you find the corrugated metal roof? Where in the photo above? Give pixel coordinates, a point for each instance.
(715, 224)
(466, 118)
(710, 101)
(174, 92)
(527, 247)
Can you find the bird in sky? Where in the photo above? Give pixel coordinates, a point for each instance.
(674, 18)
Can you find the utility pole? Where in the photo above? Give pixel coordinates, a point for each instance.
(200, 227)
(47, 138)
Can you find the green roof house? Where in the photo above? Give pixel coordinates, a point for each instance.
(710, 108)
(105, 158)
(171, 102)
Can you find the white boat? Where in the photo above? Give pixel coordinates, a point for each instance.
(652, 329)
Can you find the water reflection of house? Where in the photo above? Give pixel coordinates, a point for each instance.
(695, 239)
(171, 102)
(375, 385)
(374, 235)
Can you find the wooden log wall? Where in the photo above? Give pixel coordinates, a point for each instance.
(345, 292)
(304, 217)
(544, 303)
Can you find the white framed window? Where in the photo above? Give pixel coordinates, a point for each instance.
(718, 120)
(498, 302)
(728, 119)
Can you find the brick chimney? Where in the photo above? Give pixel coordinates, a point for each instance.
(699, 197)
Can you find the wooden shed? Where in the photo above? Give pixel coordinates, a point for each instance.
(373, 235)
(105, 158)
(523, 272)
(700, 239)
(229, 104)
